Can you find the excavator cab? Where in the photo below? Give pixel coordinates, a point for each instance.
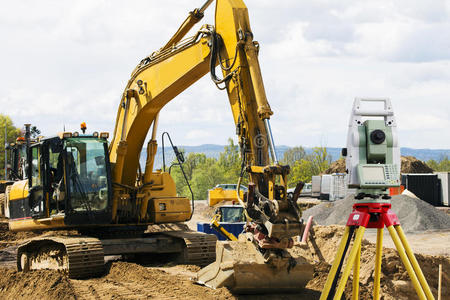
(86, 181)
(69, 183)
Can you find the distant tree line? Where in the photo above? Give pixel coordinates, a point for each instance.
(204, 172)
(12, 133)
(443, 165)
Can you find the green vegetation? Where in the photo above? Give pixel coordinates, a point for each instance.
(312, 164)
(443, 165)
(204, 172)
(13, 133)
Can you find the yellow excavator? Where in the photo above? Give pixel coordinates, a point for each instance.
(76, 181)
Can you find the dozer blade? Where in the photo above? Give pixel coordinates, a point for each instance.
(240, 267)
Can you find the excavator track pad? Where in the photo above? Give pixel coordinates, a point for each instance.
(240, 267)
(80, 257)
(200, 247)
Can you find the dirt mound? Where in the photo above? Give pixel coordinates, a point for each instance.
(395, 283)
(35, 285)
(337, 166)
(8, 238)
(414, 214)
(206, 211)
(410, 164)
(132, 281)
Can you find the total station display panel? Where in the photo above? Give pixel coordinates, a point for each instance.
(378, 176)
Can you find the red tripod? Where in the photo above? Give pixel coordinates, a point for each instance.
(372, 215)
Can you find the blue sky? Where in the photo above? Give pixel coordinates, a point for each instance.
(64, 62)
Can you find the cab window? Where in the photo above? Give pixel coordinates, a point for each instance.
(35, 167)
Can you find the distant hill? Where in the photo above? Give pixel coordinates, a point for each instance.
(211, 150)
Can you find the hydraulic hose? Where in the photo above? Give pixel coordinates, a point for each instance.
(213, 62)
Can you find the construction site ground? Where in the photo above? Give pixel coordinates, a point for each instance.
(165, 280)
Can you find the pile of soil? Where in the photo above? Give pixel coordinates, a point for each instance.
(206, 211)
(132, 281)
(414, 214)
(42, 284)
(409, 164)
(395, 282)
(305, 204)
(8, 238)
(337, 166)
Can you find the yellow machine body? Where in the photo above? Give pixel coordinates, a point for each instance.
(132, 199)
(221, 193)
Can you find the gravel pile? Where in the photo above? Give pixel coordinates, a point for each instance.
(414, 214)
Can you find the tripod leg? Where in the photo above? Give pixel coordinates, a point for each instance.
(355, 293)
(414, 262)
(377, 272)
(337, 261)
(350, 262)
(406, 263)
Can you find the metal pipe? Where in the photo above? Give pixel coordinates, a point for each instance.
(193, 18)
(155, 126)
(125, 106)
(307, 229)
(205, 6)
(29, 158)
(271, 142)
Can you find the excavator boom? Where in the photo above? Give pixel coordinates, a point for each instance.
(274, 218)
(77, 181)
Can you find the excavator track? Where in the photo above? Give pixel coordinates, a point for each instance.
(200, 247)
(80, 257)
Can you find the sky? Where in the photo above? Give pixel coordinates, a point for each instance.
(65, 62)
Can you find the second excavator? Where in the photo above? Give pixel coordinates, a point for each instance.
(76, 181)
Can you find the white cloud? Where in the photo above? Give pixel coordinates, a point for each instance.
(65, 62)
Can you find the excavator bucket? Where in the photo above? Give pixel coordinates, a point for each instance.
(240, 267)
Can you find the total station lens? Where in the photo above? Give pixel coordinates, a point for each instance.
(377, 136)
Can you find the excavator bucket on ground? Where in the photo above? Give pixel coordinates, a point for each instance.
(240, 267)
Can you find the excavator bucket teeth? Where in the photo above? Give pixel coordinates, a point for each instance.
(240, 267)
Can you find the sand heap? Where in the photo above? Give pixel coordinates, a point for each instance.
(414, 214)
(409, 164)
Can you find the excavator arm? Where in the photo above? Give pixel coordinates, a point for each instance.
(160, 77)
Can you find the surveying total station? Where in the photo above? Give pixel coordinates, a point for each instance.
(373, 165)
